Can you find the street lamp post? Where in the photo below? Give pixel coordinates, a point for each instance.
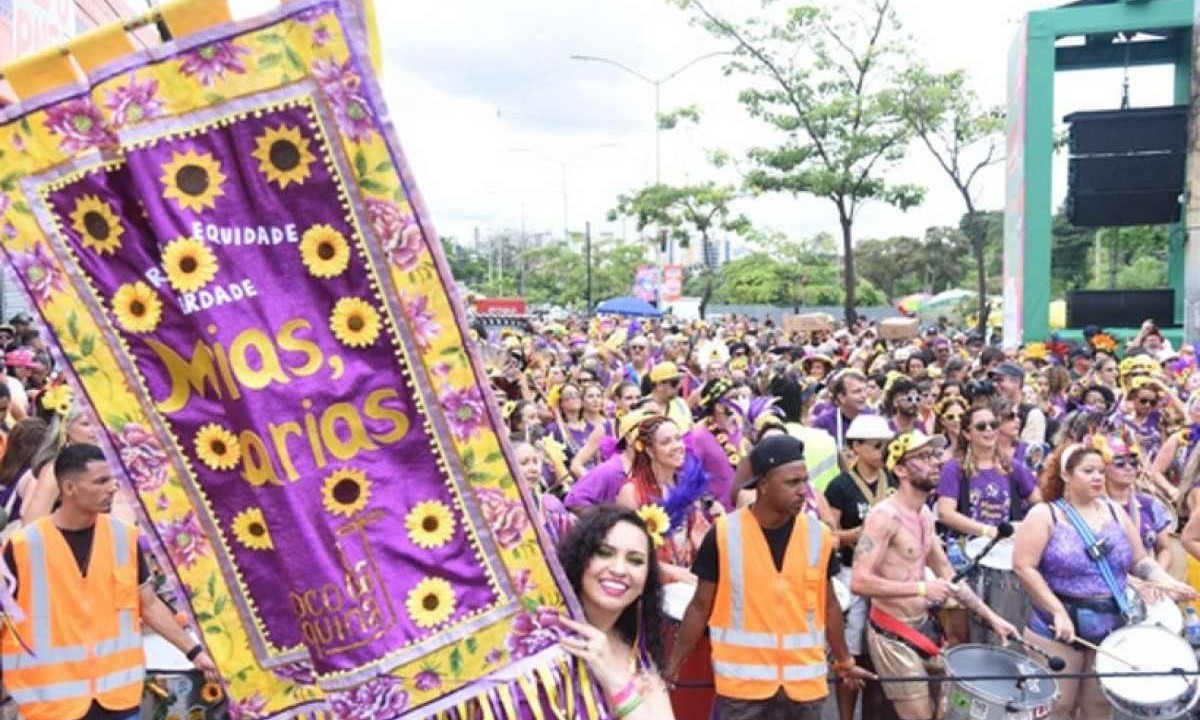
(657, 83)
(562, 165)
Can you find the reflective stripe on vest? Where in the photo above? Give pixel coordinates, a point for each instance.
(105, 664)
(731, 636)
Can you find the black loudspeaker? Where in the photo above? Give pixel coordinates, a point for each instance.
(1127, 167)
(1120, 308)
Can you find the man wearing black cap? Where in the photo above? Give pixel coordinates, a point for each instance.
(1009, 379)
(768, 648)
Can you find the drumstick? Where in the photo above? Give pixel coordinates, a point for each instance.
(1101, 651)
(1056, 663)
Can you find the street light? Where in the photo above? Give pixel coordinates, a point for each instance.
(657, 95)
(562, 163)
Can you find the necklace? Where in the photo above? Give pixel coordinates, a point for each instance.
(731, 450)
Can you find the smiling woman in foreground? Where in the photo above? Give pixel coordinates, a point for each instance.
(609, 560)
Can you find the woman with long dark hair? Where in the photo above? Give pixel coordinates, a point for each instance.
(609, 559)
(23, 443)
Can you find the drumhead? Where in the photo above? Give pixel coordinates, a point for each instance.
(966, 660)
(676, 598)
(1166, 614)
(1000, 556)
(1151, 648)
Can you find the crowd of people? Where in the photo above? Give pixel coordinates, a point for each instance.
(874, 469)
(746, 514)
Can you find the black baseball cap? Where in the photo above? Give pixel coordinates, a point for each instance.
(771, 452)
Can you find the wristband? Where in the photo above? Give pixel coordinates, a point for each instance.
(195, 651)
(623, 695)
(629, 706)
(920, 588)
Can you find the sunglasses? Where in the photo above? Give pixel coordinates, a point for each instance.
(638, 348)
(673, 381)
(952, 417)
(1147, 400)
(982, 425)
(739, 353)
(1125, 461)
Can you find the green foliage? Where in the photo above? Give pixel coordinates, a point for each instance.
(825, 80)
(685, 213)
(944, 112)
(670, 120)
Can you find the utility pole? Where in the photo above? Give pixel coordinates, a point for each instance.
(524, 251)
(587, 261)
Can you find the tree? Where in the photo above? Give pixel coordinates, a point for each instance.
(964, 139)
(825, 81)
(685, 213)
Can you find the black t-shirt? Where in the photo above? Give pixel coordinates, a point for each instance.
(80, 542)
(707, 568)
(844, 494)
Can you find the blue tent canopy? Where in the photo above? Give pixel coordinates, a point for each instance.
(631, 306)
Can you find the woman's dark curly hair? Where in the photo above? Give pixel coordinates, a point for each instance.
(578, 548)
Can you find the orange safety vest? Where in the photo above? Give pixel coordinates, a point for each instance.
(767, 626)
(85, 632)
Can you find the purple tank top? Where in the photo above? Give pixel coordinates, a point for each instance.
(1069, 570)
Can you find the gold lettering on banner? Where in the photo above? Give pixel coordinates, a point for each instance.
(335, 617)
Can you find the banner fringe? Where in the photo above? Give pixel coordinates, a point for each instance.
(548, 687)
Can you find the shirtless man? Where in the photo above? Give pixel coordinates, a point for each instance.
(897, 544)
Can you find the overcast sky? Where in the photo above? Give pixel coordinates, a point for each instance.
(490, 110)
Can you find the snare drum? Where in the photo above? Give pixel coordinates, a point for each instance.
(995, 699)
(1151, 648)
(1164, 613)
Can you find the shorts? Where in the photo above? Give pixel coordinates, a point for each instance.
(893, 658)
(855, 617)
(778, 707)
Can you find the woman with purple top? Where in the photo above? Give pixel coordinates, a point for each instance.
(1070, 594)
(1151, 519)
(569, 429)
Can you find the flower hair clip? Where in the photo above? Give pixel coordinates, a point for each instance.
(656, 521)
(58, 398)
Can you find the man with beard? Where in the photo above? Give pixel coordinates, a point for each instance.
(898, 542)
(901, 404)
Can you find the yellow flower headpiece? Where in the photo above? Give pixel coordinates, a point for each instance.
(554, 396)
(508, 409)
(893, 377)
(944, 405)
(1035, 351)
(898, 448)
(656, 521)
(1105, 342)
(58, 399)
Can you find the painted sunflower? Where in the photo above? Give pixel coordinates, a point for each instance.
(283, 155)
(58, 399)
(190, 264)
(211, 693)
(430, 603)
(193, 180)
(217, 447)
(250, 529)
(354, 322)
(430, 524)
(98, 226)
(324, 251)
(137, 307)
(346, 491)
(656, 521)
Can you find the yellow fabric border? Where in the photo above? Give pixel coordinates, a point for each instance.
(188, 17)
(100, 46)
(41, 72)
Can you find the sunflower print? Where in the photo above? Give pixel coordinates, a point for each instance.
(211, 693)
(98, 226)
(217, 447)
(283, 155)
(58, 399)
(250, 529)
(190, 264)
(324, 251)
(354, 322)
(194, 180)
(430, 524)
(430, 603)
(137, 307)
(346, 492)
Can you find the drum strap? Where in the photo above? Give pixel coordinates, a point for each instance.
(1101, 560)
(902, 631)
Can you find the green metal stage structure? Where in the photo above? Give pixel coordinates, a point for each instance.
(1034, 58)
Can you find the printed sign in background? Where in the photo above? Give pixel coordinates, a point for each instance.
(225, 243)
